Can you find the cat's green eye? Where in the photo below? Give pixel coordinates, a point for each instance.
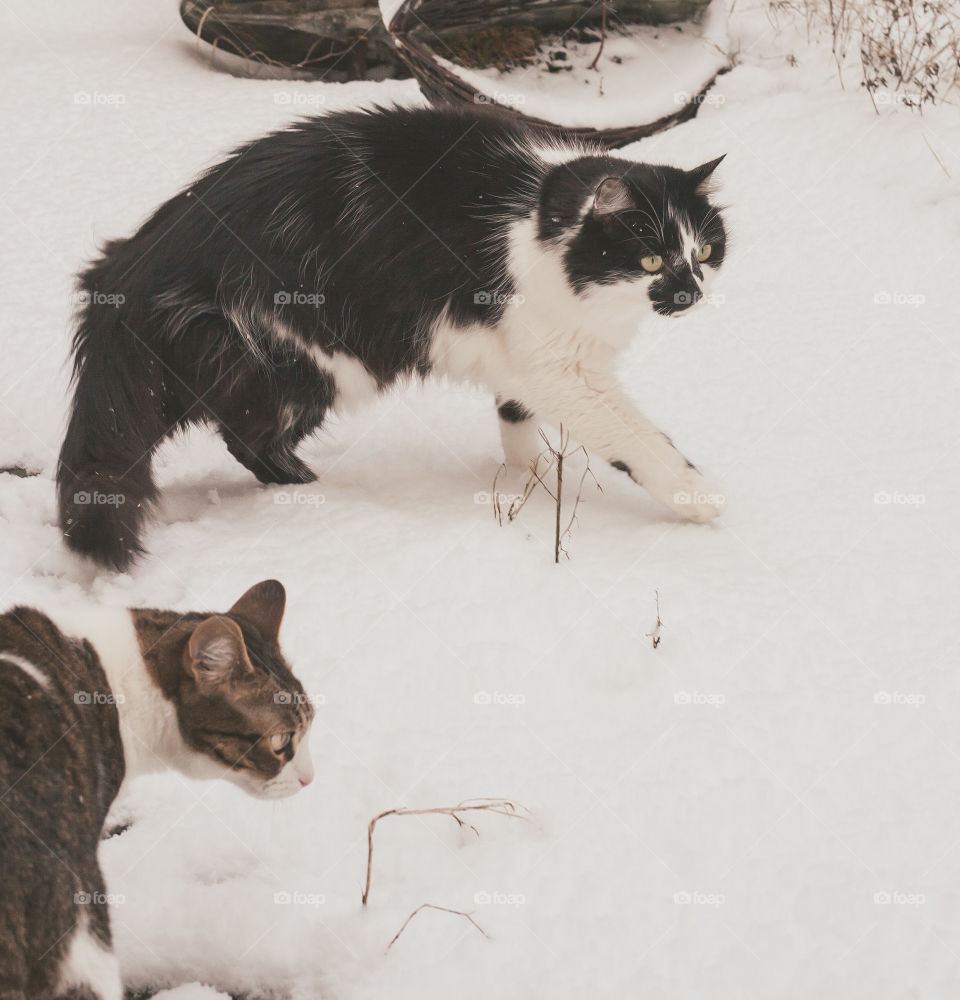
(651, 263)
(279, 741)
(704, 252)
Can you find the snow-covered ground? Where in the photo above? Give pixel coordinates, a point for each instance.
(763, 806)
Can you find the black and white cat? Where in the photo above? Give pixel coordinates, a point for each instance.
(92, 697)
(316, 265)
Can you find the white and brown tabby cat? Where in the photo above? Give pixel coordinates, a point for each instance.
(91, 698)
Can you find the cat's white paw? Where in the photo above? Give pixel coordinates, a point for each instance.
(694, 498)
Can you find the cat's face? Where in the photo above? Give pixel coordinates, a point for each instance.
(239, 704)
(646, 237)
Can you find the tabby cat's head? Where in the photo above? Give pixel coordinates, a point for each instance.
(640, 234)
(238, 702)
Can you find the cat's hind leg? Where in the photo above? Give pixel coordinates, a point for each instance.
(519, 432)
(268, 414)
(89, 970)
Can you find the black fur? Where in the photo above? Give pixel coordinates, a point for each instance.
(355, 232)
(61, 765)
(513, 412)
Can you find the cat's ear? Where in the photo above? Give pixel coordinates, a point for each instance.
(611, 196)
(700, 176)
(216, 652)
(263, 605)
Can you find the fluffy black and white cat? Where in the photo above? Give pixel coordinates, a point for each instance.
(316, 265)
(91, 697)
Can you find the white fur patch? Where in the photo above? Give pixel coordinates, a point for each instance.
(354, 384)
(89, 965)
(30, 669)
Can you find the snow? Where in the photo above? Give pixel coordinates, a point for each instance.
(765, 805)
(641, 75)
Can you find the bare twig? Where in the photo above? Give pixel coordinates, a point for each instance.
(603, 34)
(502, 807)
(655, 634)
(553, 457)
(433, 906)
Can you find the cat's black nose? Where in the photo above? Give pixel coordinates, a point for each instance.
(685, 299)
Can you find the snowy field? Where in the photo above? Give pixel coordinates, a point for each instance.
(766, 805)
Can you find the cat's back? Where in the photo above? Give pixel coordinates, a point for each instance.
(59, 728)
(61, 764)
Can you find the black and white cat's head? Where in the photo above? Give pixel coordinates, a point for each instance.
(637, 235)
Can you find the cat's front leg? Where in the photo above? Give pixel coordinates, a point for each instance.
(598, 414)
(519, 433)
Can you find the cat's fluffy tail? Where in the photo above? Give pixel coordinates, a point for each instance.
(104, 480)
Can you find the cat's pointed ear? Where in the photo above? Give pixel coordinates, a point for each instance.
(263, 605)
(700, 176)
(216, 652)
(611, 196)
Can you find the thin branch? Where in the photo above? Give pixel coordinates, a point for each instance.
(502, 807)
(655, 634)
(603, 34)
(443, 909)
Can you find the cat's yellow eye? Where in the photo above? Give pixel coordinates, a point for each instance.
(651, 263)
(279, 741)
(704, 252)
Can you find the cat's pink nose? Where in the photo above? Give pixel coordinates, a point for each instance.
(305, 781)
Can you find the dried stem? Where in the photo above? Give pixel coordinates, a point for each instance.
(443, 909)
(603, 34)
(553, 457)
(655, 634)
(502, 807)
